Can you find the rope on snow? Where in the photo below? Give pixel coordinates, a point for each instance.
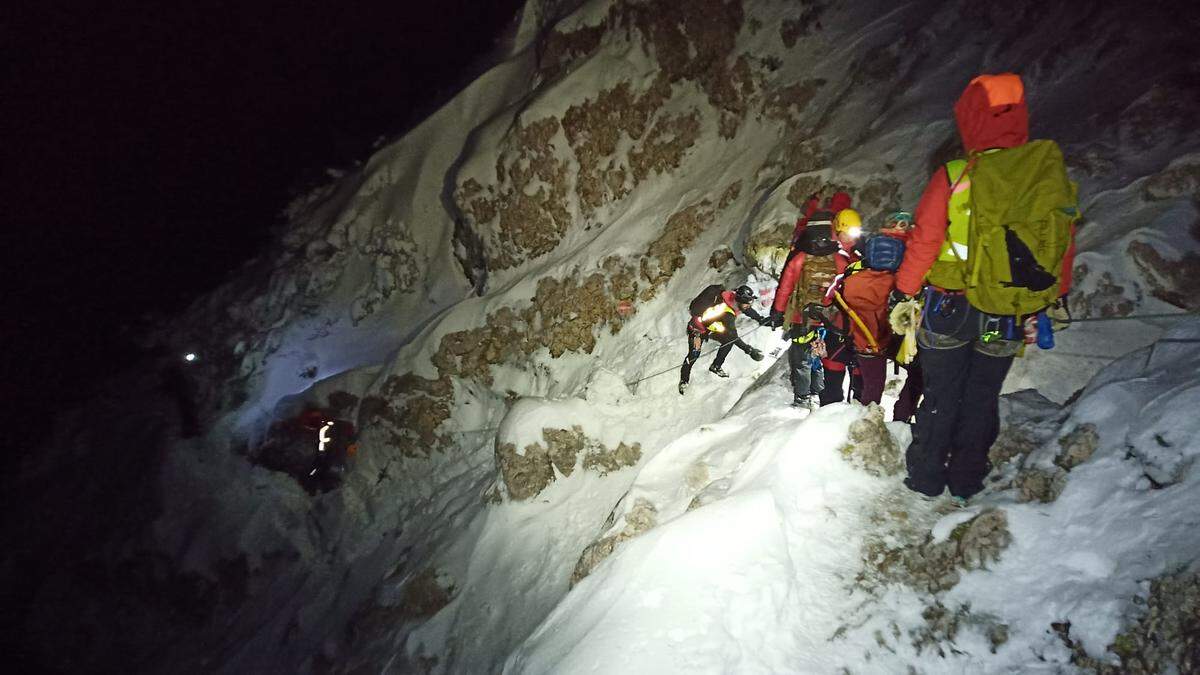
(675, 368)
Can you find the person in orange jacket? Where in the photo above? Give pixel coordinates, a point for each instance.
(965, 353)
(862, 293)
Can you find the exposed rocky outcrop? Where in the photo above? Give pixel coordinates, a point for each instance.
(560, 51)
(527, 472)
(642, 517)
(936, 566)
(809, 20)
(943, 625)
(1013, 442)
(1164, 114)
(1178, 180)
(1040, 484)
(665, 256)
(1044, 481)
(408, 410)
(872, 447)
(1173, 281)
(720, 258)
(424, 595)
(595, 128)
(1077, 446)
(617, 138)
(1167, 636)
(1165, 639)
(525, 212)
(1106, 298)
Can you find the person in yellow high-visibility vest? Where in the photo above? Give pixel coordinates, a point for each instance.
(965, 351)
(712, 316)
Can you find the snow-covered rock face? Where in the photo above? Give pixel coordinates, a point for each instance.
(497, 300)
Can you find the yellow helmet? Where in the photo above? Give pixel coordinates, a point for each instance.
(847, 221)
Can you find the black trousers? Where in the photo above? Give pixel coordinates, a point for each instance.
(959, 418)
(695, 341)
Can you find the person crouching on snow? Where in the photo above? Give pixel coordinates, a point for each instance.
(713, 312)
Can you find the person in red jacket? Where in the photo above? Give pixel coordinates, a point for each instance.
(807, 274)
(843, 337)
(817, 213)
(965, 353)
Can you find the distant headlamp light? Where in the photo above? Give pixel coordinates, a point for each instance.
(190, 357)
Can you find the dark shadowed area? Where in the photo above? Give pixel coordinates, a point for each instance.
(150, 147)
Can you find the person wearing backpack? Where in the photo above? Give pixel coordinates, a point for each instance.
(896, 227)
(798, 304)
(816, 213)
(862, 292)
(994, 240)
(713, 312)
(841, 357)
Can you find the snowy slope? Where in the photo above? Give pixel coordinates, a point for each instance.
(783, 572)
(531, 492)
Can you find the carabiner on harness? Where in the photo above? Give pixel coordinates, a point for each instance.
(990, 331)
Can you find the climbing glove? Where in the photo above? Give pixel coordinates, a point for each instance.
(775, 320)
(905, 319)
(896, 297)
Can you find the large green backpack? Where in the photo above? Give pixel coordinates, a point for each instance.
(1021, 210)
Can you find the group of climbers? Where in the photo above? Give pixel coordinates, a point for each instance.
(831, 305)
(989, 249)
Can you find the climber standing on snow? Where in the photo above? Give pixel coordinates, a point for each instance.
(861, 290)
(1013, 196)
(712, 316)
(897, 226)
(800, 296)
(846, 345)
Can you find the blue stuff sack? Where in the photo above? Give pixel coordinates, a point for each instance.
(883, 253)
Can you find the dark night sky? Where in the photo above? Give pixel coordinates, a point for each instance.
(150, 146)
